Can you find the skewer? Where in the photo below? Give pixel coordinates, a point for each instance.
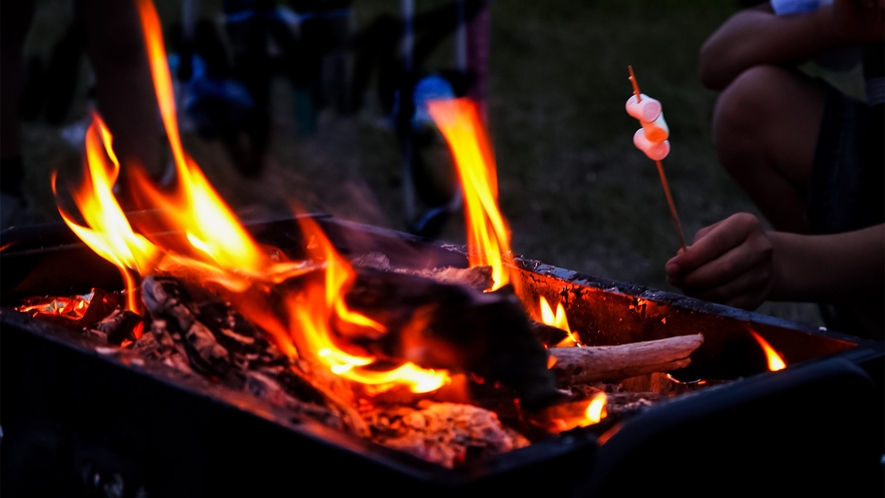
(660, 166)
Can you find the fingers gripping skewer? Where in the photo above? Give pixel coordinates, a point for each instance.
(652, 140)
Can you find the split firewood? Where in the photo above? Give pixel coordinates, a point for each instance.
(592, 364)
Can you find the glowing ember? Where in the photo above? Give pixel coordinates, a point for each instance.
(71, 308)
(775, 362)
(488, 237)
(567, 416)
(558, 320)
(595, 409)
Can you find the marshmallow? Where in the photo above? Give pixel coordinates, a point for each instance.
(656, 130)
(646, 110)
(655, 151)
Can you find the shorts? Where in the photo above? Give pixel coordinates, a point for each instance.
(847, 185)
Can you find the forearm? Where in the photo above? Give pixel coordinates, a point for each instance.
(815, 267)
(758, 36)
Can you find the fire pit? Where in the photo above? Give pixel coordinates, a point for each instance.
(77, 415)
(185, 353)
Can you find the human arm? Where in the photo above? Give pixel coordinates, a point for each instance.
(736, 262)
(758, 36)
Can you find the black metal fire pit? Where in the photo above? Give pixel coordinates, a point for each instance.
(79, 422)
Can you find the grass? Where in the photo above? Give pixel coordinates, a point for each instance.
(575, 190)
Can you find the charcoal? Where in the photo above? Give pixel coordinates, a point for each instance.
(167, 300)
(96, 334)
(296, 385)
(548, 335)
(244, 343)
(120, 326)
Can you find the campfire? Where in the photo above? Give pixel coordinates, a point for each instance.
(452, 363)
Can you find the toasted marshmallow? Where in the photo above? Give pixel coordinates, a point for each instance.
(655, 151)
(646, 110)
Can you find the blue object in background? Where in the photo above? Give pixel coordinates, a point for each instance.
(212, 102)
(430, 88)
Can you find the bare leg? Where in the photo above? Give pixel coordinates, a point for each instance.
(765, 126)
(124, 88)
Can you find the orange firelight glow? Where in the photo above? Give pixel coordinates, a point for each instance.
(200, 237)
(567, 416)
(558, 320)
(775, 362)
(321, 303)
(107, 231)
(210, 227)
(488, 237)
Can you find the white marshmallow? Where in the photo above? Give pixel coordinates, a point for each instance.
(657, 130)
(655, 151)
(646, 110)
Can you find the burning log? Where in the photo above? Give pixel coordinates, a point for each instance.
(454, 327)
(592, 364)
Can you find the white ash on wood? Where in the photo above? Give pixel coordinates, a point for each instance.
(444, 433)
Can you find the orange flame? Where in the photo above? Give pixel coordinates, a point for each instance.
(558, 320)
(567, 416)
(203, 237)
(107, 231)
(209, 225)
(315, 309)
(775, 361)
(488, 237)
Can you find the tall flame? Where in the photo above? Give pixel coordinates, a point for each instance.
(209, 225)
(488, 237)
(775, 361)
(200, 236)
(107, 231)
(558, 320)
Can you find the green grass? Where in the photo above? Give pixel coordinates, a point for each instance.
(576, 192)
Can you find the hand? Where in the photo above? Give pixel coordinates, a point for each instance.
(730, 262)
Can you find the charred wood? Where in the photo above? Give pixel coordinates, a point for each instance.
(438, 325)
(166, 299)
(119, 326)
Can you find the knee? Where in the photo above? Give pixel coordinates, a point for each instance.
(744, 108)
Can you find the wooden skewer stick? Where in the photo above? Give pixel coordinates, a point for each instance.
(660, 166)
